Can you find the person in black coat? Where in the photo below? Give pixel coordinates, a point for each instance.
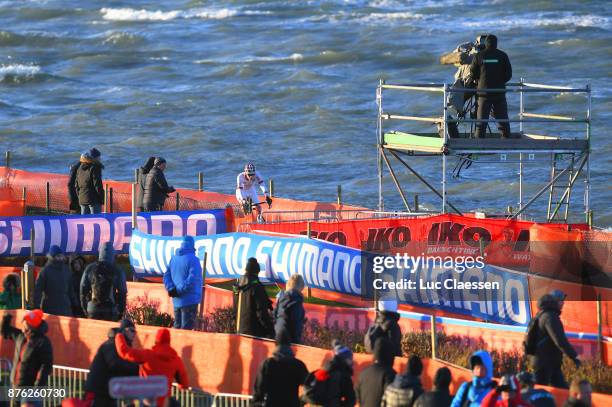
(551, 342)
(289, 314)
(340, 369)
(374, 379)
(385, 325)
(88, 184)
(279, 378)
(252, 304)
(406, 388)
(53, 290)
(491, 68)
(76, 265)
(107, 364)
(440, 395)
(33, 357)
(156, 187)
(141, 181)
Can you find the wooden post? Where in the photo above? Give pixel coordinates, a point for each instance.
(590, 219)
(25, 202)
(200, 181)
(599, 330)
(238, 312)
(48, 198)
(110, 200)
(23, 285)
(271, 188)
(308, 230)
(434, 337)
(416, 202)
(178, 201)
(136, 175)
(339, 194)
(134, 222)
(8, 159)
(105, 198)
(201, 313)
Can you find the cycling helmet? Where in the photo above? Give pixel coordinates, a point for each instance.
(249, 169)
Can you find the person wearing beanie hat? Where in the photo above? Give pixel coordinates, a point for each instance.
(406, 388)
(473, 392)
(533, 396)
(440, 395)
(506, 394)
(156, 187)
(88, 185)
(183, 281)
(385, 325)
(103, 289)
(252, 304)
(339, 371)
(53, 289)
(161, 360)
(374, 379)
(33, 355)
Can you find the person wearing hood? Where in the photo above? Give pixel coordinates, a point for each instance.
(440, 395)
(385, 325)
(406, 388)
(160, 360)
(103, 288)
(279, 377)
(289, 312)
(473, 392)
(53, 291)
(535, 397)
(33, 356)
(252, 304)
(10, 298)
(88, 182)
(507, 394)
(183, 281)
(551, 342)
(156, 187)
(76, 265)
(107, 364)
(374, 379)
(141, 178)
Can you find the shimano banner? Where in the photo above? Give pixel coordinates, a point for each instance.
(323, 265)
(84, 233)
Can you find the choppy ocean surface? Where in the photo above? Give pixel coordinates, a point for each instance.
(288, 85)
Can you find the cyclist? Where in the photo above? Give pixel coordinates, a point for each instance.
(248, 182)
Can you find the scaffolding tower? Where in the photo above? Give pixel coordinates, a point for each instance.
(569, 156)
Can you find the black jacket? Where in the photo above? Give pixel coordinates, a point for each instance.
(551, 340)
(341, 377)
(106, 365)
(142, 178)
(89, 187)
(53, 290)
(73, 197)
(572, 402)
(387, 320)
(278, 380)
(538, 398)
(491, 69)
(289, 315)
(375, 378)
(156, 190)
(77, 310)
(32, 364)
(254, 308)
(403, 392)
(435, 398)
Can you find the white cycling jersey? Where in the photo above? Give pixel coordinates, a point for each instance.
(247, 187)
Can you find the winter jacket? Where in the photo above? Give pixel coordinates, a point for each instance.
(475, 392)
(492, 69)
(254, 307)
(119, 294)
(77, 275)
(278, 380)
(156, 190)
(106, 365)
(551, 340)
(53, 291)
(341, 383)
(89, 187)
(73, 197)
(493, 399)
(289, 315)
(142, 178)
(185, 274)
(375, 378)
(572, 402)
(403, 391)
(33, 357)
(538, 397)
(435, 398)
(387, 321)
(10, 298)
(162, 360)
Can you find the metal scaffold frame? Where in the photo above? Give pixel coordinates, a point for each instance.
(400, 144)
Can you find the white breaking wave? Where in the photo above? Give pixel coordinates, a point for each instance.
(400, 15)
(130, 14)
(18, 71)
(589, 20)
(293, 57)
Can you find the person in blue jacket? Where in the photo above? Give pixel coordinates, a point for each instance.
(183, 281)
(472, 393)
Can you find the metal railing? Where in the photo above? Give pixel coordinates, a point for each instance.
(337, 215)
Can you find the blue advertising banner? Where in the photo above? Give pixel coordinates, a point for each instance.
(84, 233)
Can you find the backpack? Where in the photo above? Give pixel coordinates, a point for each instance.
(317, 387)
(530, 344)
(102, 283)
(373, 333)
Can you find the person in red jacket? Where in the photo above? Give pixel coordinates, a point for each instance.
(162, 360)
(507, 394)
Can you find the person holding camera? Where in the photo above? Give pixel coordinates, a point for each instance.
(507, 394)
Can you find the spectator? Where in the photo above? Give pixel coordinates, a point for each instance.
(340, 370)
(580, 394)
(252, 304)
(10, 298)
(472, 393)
(76, 264)
(386, 325)
(103, 287)
(406, 388)
(107, 364)
(156, 188)
(161, 360)
(53, 291)
(183, 281)
(374, 379)
(88, 183)
(141, 177)
(289, 312)
(535, 397)
(33, 356)
(440, 395)
(550, 341)
(279, 377)
(507, 394)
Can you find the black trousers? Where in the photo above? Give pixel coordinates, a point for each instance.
(498, 108)
(550, 377)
